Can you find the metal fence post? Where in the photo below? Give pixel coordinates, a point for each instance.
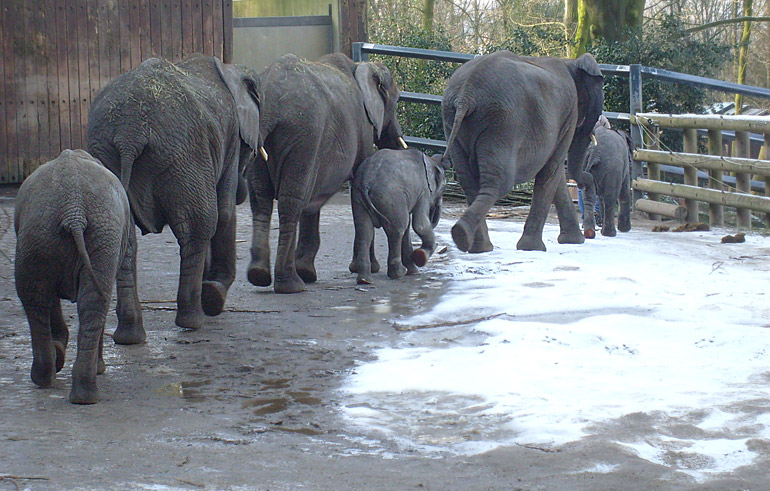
(767, 179)
(635, 106)
(358, 53)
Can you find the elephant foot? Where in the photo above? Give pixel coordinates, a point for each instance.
(259, 276)
(290, 284)
(461, 236)
(375, 266)
(353, 266)
(609, 231)
(397, 271)
(42, 375)
(589, 233)
(530, 243)
(307, 273)
(624, 226)
(213, 294)
(364, 279)
(101, 367)
(479, 247)
(129, 334)
(571, 238)
(189, 320)
(60, 354)
(412, 270)
(83, 392)
(420, 257)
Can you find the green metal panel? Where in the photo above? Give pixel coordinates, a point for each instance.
(278, 8)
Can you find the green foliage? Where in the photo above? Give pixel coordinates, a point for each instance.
(538, 40)
(664, 45)
(413, 75)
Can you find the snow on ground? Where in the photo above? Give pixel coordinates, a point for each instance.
(668, 330)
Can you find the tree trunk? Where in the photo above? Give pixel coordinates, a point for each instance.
(611, 18)
(607, 19)
(427, 15)
(743, 52)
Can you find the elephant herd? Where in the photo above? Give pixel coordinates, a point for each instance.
(184, 143)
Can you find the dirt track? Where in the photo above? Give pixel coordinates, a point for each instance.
(251, 401)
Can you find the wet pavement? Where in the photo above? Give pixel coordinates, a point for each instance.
(253, 400)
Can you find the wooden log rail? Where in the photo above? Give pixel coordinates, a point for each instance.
(716, 164)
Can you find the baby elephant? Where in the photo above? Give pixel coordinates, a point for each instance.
(73, 232)
(608, 160)
(391, 189)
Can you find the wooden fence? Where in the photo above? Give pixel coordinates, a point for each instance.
(717, 192)
(55, 56)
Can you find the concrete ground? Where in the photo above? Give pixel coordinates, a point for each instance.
(252, 400)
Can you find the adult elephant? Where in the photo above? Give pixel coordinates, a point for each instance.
(509, 119)
(178, 136)
(320, 120)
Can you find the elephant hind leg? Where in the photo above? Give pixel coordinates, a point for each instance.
(261, 200)
(286, 278)
(60, 334)
(45, 358)
(624, 215)
(307, 246)
(92, 313)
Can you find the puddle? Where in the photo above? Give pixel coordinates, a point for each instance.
(271, 405)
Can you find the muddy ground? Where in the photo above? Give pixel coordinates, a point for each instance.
(252, 400)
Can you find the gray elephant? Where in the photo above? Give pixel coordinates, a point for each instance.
(510, 119)
(179, 136)
(320, 120)
(73, 234)
(608, 161)
(392, 189)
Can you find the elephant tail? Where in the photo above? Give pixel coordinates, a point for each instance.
(462, 108)
(75, 227)
(128, 154)
(378, 219)
(591, 158)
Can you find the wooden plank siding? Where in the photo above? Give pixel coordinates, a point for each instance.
(56, 55)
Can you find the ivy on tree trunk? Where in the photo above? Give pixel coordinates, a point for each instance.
(606, 19)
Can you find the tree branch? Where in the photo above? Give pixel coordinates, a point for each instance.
(736, 20)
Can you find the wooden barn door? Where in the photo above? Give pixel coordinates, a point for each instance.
(55, 56)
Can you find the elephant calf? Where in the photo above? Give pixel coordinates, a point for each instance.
(608, 161)
(73, 231)
(391, 189)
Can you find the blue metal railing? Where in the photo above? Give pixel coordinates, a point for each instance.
(636, 73)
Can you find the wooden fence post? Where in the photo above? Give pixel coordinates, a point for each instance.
(653, 169)
(691, 173)
(743, 180)
(716, 211)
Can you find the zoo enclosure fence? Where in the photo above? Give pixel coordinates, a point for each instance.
(723, 190)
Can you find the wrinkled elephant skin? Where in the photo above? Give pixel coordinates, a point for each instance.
(74, 238)
(180, 136)
(320, 120)
(391, 190)
(510, 119)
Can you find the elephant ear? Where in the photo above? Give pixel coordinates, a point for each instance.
(428, 164)
(245, 92)
(588, 82)
(368, 80)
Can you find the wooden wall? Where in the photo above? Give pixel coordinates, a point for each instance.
(55, 56)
